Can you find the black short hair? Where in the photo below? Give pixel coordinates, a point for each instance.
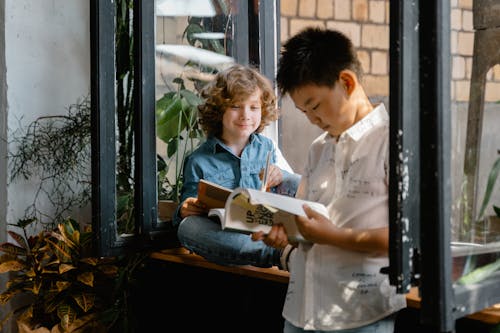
(315, 55)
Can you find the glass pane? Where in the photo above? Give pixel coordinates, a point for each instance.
(193, 42)
(124, 78)
(476, 140)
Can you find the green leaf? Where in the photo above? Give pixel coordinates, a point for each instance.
(23, 223)
(86, 278)
(85, 301)
(497, 210)
(67, 315)
(19, 239)
(194, 20)
(11, 266)
(492, 178)
(172, 147)
(479, 274)
(62, 285)
(191, 29)
(7, 295)
(167, 126)
(191, 97)
(61, 250)
(123, 201)
(167, 109)
(70, 236)
(13, 249)
(217, 46)
(164, 102)
(161, 165)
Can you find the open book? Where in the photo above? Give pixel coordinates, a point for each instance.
(249, 210)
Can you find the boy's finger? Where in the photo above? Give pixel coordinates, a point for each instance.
(310, 213)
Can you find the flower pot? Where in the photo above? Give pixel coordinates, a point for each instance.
(489, 230)
(166, 210)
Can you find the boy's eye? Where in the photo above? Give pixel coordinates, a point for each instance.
(235, 106)
(315, 107)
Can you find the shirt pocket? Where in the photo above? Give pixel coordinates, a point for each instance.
(366, 188)
(253, 180)
(224, 177)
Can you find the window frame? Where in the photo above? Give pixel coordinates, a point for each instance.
(420, 171)
(249, 26)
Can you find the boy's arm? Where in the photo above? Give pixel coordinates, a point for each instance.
(289, 184)
(189, 189)
(290, 180)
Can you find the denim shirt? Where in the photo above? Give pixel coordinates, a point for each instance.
(215, 162)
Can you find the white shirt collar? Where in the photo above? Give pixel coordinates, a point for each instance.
(376, 116)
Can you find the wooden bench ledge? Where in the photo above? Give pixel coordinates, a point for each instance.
(489, 315)
(183, 256)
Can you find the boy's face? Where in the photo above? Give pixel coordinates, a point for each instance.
(329, 108)
(242, 118)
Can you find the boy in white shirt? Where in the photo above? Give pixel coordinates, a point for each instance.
(335, 281)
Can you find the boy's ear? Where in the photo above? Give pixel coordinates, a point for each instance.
(348, 80)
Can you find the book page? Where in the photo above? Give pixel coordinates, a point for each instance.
(251, 210)
(282, 202)
(217, 212)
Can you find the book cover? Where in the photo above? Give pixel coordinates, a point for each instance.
(213, 195)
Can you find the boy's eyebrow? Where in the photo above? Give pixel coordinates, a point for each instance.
(299, 108)
(306, 103)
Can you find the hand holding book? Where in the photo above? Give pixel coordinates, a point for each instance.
(250, 210)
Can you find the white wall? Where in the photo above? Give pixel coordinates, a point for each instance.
(47, 57)
(44, 68)
(3, 126)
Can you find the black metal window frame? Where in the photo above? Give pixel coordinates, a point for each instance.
(420, 151)
(254, 43)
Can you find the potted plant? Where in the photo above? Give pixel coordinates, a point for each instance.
(177, 117)
(177, 126)
(487, 230)
(68, 291)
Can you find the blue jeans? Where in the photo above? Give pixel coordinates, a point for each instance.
(385, 325)
(205, 237)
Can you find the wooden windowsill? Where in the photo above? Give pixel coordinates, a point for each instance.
(183, 256)
(489, 315)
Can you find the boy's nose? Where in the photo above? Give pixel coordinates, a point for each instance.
(313, 119)
(245, 111)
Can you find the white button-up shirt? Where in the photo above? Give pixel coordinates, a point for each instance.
(332, 288)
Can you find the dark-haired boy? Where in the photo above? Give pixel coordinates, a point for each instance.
(335, 282)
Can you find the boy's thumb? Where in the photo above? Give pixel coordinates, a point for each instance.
(309, 211)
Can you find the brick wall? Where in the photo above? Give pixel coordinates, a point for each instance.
(366, 22)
